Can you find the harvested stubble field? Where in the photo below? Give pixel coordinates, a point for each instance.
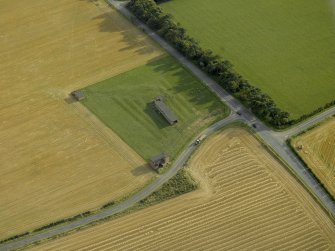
(284, 47)
(247, 201)
(57, 160)
(318, 152)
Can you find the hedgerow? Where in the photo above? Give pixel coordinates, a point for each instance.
(261, 104)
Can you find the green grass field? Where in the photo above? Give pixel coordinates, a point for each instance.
(284, 47)
(124, 103)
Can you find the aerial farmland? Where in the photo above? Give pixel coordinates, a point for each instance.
(165, 125)
(124, 103)
(284, 48)
(247, 200)
(57, 160)
(317, 148)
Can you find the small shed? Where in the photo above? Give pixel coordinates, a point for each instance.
(78, 95)
(159, 161)
(165, 110)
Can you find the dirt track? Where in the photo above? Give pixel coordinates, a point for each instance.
(56, 160)
(247, 201)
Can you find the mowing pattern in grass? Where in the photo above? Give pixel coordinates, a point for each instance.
(124, 103)
(284, 47)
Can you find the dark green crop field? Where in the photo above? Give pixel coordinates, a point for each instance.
(124, 103)
(284, 47)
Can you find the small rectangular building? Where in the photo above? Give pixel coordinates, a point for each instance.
(165, 110)
(159, 161)
(78, 95)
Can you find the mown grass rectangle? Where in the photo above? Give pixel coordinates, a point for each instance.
(124, 103)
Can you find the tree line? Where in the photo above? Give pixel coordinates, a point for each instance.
(221, 70)
(261, 104)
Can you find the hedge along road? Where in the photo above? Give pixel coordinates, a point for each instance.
(176, 166)
(275, 140)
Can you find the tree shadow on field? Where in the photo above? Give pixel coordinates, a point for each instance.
(197, 94)
(155, 116)
(110, 22)
(113, 22)
(141, 170)
(69, 99)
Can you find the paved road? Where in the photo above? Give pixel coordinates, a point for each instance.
(177, 165)
(308, 123)
(276, 140)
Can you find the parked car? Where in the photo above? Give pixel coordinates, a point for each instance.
(200, 139)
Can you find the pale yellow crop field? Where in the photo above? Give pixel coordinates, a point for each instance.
(247, 201)
(318, 151)
(56, 160)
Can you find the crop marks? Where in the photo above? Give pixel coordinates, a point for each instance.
(247, 201)
(57, 160)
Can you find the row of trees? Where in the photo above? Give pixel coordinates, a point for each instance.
(320, 109)
(221, 70)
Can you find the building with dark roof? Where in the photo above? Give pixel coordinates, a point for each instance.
(159, 161)
(165, 110)
(78, 95)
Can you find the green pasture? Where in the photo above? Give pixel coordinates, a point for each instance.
(284, 47)
(124, 103)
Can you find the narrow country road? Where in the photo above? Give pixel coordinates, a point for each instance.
(275, 140)
(307, 123)
(176, 166)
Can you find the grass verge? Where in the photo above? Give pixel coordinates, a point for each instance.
(179, 184)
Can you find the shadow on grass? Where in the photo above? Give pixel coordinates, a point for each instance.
(197, 94)
(110, 22)
(69, 100)
(155, 116)
(141, 170)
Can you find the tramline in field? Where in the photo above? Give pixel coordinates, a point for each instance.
(317, 148)
(247, 201)
(57, 160)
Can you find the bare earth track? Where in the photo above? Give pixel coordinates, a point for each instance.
(248, 201)
(318, 151)
(56, 159)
